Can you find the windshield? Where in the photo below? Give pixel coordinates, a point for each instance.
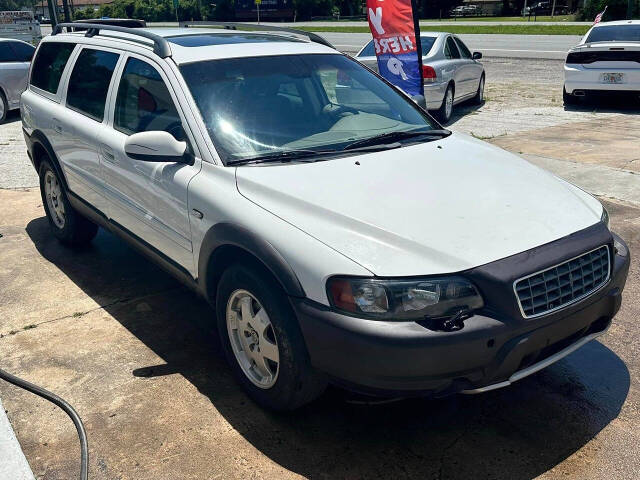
(615, 33)
(264, 105)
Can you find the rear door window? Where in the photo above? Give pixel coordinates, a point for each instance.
(144, 102)
(450, 49)
(89, 82)
(49, 65)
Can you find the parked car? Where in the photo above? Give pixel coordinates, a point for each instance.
(339, 233)
(15, 59)
(606, 60)
(546, 8)
(451, 73)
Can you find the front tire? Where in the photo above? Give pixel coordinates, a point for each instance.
(262, 341)
(479, 98)
(66, 224)
(446, 109)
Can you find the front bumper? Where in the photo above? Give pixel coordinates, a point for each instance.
(495, 348)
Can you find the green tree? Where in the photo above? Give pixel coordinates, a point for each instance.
(616, 9)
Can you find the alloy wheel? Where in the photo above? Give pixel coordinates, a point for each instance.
(53, 194)
(252, 339)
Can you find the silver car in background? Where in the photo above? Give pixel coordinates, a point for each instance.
(452, 74)
(15, 59)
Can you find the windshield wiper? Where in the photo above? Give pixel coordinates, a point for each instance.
(395, 136)
(282, 156)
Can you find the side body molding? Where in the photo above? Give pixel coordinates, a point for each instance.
(229, 234)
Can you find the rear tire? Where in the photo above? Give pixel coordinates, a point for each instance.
(4, 108)
(285, 380)
(66, 224)
(445, 111)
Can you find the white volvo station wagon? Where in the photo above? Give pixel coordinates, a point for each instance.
(339, 233)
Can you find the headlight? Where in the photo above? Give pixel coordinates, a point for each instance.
(605, 217)
(403, 299)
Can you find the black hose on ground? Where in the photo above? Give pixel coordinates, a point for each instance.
(68, 409)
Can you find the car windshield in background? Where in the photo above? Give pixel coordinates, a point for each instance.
(615, 33)
(262, 106)
(425, 42)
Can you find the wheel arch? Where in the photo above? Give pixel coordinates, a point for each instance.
(228, 243)
(41, 147)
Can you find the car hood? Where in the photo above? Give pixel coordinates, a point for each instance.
(436, 207)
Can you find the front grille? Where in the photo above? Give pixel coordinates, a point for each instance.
(564, 284)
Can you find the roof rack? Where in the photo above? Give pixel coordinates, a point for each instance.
(265, 28)
(160, 44)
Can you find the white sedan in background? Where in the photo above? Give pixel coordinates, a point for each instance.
(606, 60)
(451, 73)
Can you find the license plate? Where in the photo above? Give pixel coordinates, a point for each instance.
(612, 77)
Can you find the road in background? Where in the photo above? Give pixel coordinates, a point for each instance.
(491, 45)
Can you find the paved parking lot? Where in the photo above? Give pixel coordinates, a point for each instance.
(133, 351)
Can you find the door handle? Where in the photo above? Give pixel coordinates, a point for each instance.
(108, 154)
(56, 125)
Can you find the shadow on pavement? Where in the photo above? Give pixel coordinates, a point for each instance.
(12, 117)
(516, 433)
(607, 103)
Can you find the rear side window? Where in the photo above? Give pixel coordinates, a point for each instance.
(144, 103)
(368, 51)
(24, 52)
(89, 82)
(49, 65)
(450, 49)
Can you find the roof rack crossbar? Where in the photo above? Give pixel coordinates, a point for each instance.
(160, 45)
(265, 28)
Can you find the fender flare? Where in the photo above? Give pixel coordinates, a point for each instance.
(39, 138)
(229, 234)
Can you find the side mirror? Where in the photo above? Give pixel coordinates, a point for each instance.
(477, 55)
(420, 100)
(155, 146)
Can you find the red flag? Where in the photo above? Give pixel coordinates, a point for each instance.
(394, 36)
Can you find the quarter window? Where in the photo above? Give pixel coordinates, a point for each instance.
(450, 49)
(89, 82)
(144, 102)
(49, 65)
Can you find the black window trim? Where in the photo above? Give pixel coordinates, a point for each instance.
(66, 76)
(62, 85)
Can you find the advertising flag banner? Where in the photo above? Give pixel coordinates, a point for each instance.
(395, 37)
